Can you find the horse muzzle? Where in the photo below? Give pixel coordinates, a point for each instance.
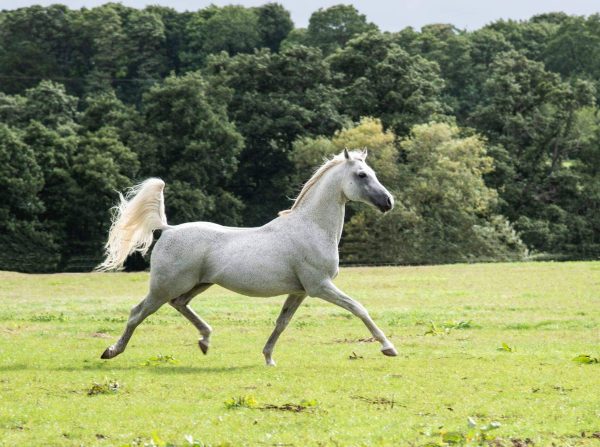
(385, 203)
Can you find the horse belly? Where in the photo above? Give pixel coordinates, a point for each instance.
(259, 281)
(259, 272)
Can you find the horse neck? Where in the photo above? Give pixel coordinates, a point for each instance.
(325, 204)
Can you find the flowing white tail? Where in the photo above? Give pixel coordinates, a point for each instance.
(138, 214)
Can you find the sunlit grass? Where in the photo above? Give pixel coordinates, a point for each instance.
(331, 385)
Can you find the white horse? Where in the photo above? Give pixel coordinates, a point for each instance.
(295, 254)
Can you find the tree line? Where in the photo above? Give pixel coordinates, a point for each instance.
(490, 139)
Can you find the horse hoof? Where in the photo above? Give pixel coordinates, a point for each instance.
(271, 362)
(107, 354)
(203, 346)
(390, 352)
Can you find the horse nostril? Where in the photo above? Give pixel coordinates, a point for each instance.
(389, 202)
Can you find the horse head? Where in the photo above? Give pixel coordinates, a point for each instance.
(360, 184)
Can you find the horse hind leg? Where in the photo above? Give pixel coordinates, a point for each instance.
(181, 303)
(146, 307)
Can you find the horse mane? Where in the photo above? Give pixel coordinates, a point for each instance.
(320, 172)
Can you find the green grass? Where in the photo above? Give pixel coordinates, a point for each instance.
(54, 389)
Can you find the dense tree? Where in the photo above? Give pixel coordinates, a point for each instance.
(379, 78)
(36, 43)
(233, 29)
(195, 145)
(331, 28)
(444, 211)
(49, 103)
(175, 26)
(101, 165)
(451, 50)
(274, 24)
(530, 38)
(530, 113)
(145, 54)
(309, 152)
(24, 246)
(233, 107)
(574, 49)
(276, 99)
(54, 150)
(103, 32)
(106, 110)
(21, 179)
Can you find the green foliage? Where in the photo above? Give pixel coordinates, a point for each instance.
(106, 387)
(100, 166)
(444, 209)
(275, 99)
(308, 153)
(160, 359)
(20, 179)
(233, 29)
(250, 401)
(241, 402)
(27, 248)
(586, 359)
(156, 441)
(49, 104)
(234, 107)
(534, 115)
(379, 78)
(330, 29)
(37, 43)
(195, 149)
(474, 436)
(104, 35)
(445, 327)
(505, 348)
(274, 24)
(573, 48)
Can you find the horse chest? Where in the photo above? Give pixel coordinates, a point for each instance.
(323, 256)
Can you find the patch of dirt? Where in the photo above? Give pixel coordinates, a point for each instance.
(100, 335)
(381, 401)
(516, 442)
(16, 329)
(295, 408)
(355, 340)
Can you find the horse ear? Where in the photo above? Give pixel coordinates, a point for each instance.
(346, 154)
(365, 152)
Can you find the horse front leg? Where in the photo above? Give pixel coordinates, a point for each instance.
(290, 306)
(329, 292)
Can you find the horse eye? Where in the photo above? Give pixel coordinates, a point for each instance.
(362, 174)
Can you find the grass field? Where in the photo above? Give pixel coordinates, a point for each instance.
(341, 390)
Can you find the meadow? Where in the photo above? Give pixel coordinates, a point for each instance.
(492, 344)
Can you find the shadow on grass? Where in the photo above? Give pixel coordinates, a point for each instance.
(200, 369)
(163, 369)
